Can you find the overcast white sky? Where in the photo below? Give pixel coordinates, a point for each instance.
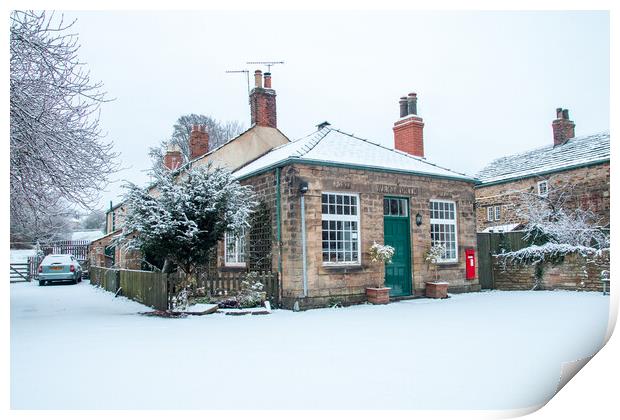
(488, 83)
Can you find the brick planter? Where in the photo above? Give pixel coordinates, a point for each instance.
(378, 295)
(437, 289)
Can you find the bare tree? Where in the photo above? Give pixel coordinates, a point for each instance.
(219, 133)
(58, 155)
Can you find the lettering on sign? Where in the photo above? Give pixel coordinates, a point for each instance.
(343, 185)
(397, 189)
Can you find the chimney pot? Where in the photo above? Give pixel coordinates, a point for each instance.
(403, 106)
(258, 79)
(267, 80)
(412, 104)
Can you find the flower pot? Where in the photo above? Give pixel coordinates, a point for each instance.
(378, 295)
(437, 289)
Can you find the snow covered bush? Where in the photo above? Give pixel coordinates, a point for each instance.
(381, 253)
(433, 255)
(548, 252)
(183, 220)
(251, 293)
(551, 219)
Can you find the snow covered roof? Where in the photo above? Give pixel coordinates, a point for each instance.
(329, 146)
(578, 151)
(502, 228)
(86, 235)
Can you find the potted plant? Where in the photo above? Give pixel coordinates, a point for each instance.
(436, 289)
(379, 254)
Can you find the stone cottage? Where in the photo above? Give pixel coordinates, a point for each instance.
(575, 166)
(326, 198)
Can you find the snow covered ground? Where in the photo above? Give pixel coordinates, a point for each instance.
(21, 255)
(77, 347)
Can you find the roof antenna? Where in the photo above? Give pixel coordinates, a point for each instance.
(266, 63)
(247, 74)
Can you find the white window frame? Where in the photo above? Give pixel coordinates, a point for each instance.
(497, 212)
(343, 218)
(490, 214)
(447, 222)
(239, 240)
(546, 184)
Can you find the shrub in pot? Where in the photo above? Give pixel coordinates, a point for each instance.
(379, 254)
(435, 288)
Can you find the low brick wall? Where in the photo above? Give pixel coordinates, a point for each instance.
(574, 272)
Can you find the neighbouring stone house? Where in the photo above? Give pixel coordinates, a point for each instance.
(327, 197)
(575, 166)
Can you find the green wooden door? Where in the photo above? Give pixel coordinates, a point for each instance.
(396, 234)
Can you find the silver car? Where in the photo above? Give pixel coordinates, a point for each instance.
(59, 267)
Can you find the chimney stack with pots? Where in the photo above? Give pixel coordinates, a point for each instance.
(563, 127)
(173, 158)
(408, 130)
(198, 141)
(263, 101)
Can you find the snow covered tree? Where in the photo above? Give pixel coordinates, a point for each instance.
(219, 133)
(550, 219)
(58, 156)
(183, 220)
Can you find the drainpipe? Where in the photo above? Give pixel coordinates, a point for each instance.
(278, 221)
(303, 189)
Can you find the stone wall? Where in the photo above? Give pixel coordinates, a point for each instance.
(589, 189)
(348, 283)
(574, 272)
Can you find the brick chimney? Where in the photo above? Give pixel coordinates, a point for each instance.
(198, 141)
(173, 158)
(263, 101)
(408, 130)
(563, 127)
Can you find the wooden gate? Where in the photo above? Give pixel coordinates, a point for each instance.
(19, 272)
(495, 243)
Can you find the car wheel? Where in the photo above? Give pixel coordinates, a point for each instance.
(74, 281)
(41, 282)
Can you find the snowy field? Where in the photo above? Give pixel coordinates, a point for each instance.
(77, 347)
(21, 255)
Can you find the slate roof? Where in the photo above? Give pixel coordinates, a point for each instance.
(576, 152)
(332, 147)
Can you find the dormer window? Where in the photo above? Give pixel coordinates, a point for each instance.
(543, 189)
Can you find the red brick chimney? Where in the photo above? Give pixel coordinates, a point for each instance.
(263, 101)
(173, 158)
(408, 130)
(198, 141)
(563, 127)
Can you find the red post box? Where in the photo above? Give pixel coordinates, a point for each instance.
(470, 264)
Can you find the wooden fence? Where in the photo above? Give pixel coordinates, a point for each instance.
(229, 283)
(79, 249)
(106, 278)
(147, 287)
(494, 243)
(151, 288)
